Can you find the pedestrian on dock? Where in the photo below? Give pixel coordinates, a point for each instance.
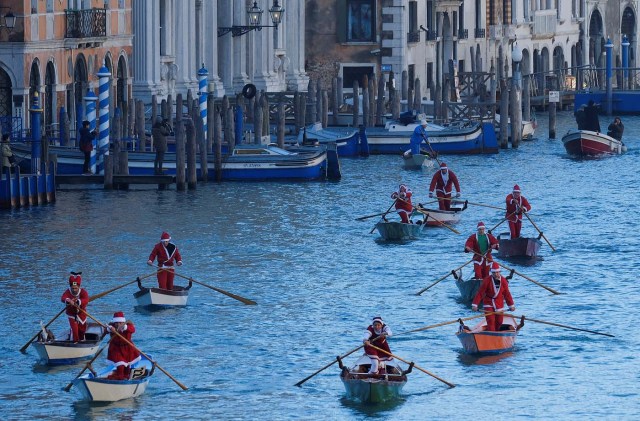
(76, 299)
(376, 335)
(86, 145)
(517, 205)
(403, 203)
(8, 160)
(159, 132)
(493, 293)
(167, 254)
(442, 184)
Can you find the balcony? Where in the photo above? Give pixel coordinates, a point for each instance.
(479, 33)
(413, 36)
(463, 34)
(431, 35)
(88, 23)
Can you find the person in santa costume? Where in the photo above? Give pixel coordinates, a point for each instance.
(121, 354)
(376, 334)
(493, 293)
(403, 202)
(481, 244)
(516, 206)
(442, 185)
(167, 254)
(76, 300)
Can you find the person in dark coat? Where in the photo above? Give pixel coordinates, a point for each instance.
(616, 129)
(591, 117)
(86, 145)
(160, 131)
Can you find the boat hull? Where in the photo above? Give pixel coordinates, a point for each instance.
(416, 162)
(589, 143)
(157, 297)
(437, 217)
(372, 390)
(468, 288)
(523, 247)
(101, 389)
(477, 341)
(348, 141)
(399, 231)
(67, 352)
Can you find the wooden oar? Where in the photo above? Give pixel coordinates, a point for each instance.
(541, 233)
(425, 212)
(500, 223)
(87, 365)
(94, 297)
(433, 153)
(183, 387)
(443, 278)
(419, 368)
(388, 210)
(486, 206)
(362, 218)
(565, 326)
(221, 291)
(420, 329)
(327, 366)
(529, 279)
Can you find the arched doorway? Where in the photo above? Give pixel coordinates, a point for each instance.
(6, 92)
(80, 85)
(121, 84)
(34, 80)
(49, 100)
(596, 39)
(628, 29)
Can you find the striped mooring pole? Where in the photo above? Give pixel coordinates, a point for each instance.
(90, 108)
(103, 104)
(202, 91)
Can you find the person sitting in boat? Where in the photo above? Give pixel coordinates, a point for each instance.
(493, 293)
(419, 135)
(616, 129)
(442, 184)
(167, 254)
(481, 244)
(376, 335)
(76, 299)
(403, 203)
(122, 354)
(517, 204)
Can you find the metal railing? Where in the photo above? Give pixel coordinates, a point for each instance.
(463, 34)
(413, 36)
(479, 33)
(431, 35)
(87, 23)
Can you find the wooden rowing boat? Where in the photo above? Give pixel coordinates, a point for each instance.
(522, 247)
(399, 231)
(416, 161)
(373, 388)
(162, 298)
(479, 341)
(64, 352)
(468, 287)
(437, 217)
(97, 387)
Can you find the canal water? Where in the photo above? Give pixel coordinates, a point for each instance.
(319, 276)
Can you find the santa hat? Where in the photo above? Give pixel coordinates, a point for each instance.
(165, 236)
(402, 187)
(377, 319)
(516, 189)
(481, 225)
(443, 166)
(118, 317)
(75, 279)
(495, 267)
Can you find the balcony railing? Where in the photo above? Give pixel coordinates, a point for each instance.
(479, 33)
(86, 23)
(431, 35)
(463, 34)
(413, 36)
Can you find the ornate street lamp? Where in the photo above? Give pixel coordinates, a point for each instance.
(254, 15)
(9, 21)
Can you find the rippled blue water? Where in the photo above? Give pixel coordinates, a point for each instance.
(319, 276)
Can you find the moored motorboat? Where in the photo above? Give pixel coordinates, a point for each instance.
(158, 297)
(528, 127)
(373, 388)
(479, 341)
(54, 351)
(97, 387)
(349, 142)
(437, 217)
(590, 143)
(522, 247)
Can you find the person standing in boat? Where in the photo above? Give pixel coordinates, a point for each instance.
(442, 184)
(8, 160)
(167, 254)
(418, 136)
(616, 129)
(122, 354)
(76, 299)
(481, 244)
(517, 204)
(376, 334)
(403, 203)
(591, 118)
(86, 145)
(160, 131)
(493, 293)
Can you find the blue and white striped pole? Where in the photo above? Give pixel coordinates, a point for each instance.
(90, 107)
(103, 104)
(202, 91)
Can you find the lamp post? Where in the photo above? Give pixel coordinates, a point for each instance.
(9, 20)
(254, 15)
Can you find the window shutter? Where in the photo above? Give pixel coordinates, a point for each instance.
(341, 20)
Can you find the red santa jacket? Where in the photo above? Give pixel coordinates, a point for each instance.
(439, 186)
(472, 243)
(403, 200)
(371, 336)
(514, 214)
(81, 300)
(492, 296)
(120, 352)
(167, 256)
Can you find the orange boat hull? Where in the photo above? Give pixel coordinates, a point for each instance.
(482, 342)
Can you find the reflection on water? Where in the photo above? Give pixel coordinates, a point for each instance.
(468, 359)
